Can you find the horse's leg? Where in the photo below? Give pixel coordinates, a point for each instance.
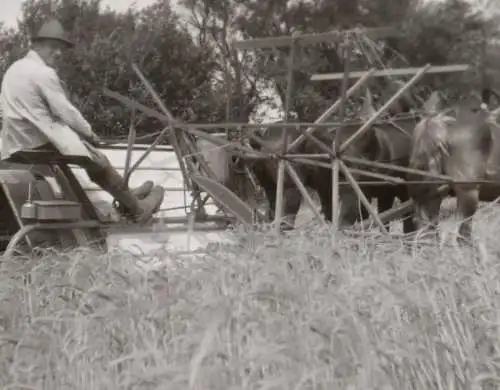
(324, 190)
(349, 208)
(270, 192)
(468, 163)
(427, 215)
(292, 199)
(385, 203)
(467, 202)
(262, 173)
(362, 211)
(408, 221)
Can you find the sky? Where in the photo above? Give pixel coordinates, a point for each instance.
(10, 9)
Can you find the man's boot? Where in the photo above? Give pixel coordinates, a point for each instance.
(130, 204)
(143, 190)
(140, 193)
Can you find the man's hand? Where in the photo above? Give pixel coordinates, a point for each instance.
(94, 139)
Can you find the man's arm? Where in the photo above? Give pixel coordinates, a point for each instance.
(51, 89)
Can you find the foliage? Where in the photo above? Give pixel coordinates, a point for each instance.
(437, 33)
(107, 42)
(299, 312)
(193, 66)
(215, 26)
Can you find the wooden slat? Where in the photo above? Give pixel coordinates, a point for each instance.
(332, 36)
(227, 199)
(392, 72)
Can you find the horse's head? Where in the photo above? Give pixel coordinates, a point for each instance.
(494, 117)
(434, 120)
(406, 101)
(489, 120)
(491, 98)
(431, 129)
(433, 104)
(476, 113)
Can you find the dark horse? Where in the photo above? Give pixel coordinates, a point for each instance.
(464, 145)
(385, 142)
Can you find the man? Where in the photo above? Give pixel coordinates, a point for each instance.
(38, 115)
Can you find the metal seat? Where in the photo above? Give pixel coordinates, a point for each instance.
(59, 165)
(42, 156)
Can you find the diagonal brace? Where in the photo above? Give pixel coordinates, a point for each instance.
(368, 124)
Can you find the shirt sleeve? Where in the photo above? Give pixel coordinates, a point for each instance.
(53, 92)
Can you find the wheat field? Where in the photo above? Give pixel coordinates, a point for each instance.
(304, 311)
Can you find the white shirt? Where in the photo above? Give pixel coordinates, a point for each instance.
(35, 110)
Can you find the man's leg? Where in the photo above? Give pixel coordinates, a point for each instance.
(130, 205)
(140, 192)
(139, 204)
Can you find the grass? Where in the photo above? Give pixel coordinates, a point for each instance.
(301, 312)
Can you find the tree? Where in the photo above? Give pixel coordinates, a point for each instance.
(436, 33)
(214, 25)
(107, 42)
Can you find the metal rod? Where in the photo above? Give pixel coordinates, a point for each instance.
(307, 155)
(402, 209)
(321, 121)
(171, 134)
(130, 103)
(419, 182)
(394, 167)
(284, 136)
(199, 157)
(237, 125)
(147, 153)
(383, 109)
(320, 144)
(335, 143)
(190, 128)
(305, 194)
(311, 39)
(136, 147)
(167, 189)
(335, 194)
(180, 228)
(393, 72)
(166, 209)
(130, 145)
(149, 169)
(173, 138)
(361, 196)
(383, 178)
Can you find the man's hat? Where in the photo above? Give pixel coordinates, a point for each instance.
(53, 29)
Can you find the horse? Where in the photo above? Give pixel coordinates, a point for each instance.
(464, 146)
(387, 142)
(266, 173)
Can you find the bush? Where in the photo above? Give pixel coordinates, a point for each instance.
(107, 42)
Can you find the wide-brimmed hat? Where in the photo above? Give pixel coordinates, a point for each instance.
(53, 30)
